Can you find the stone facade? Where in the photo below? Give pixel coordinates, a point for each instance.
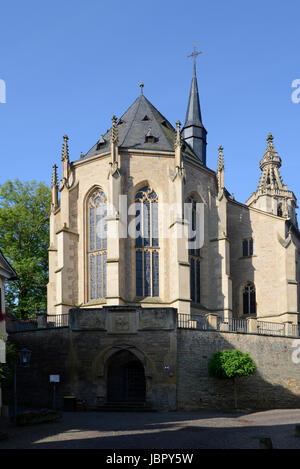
(174, 361)
(119, 170)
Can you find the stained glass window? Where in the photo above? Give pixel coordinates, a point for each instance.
(147, 243)
(249, 299)
(194, 254)
(97, 211)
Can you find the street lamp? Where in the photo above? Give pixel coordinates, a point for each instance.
(24, 360)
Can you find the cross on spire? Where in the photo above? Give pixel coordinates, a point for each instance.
(194, 54)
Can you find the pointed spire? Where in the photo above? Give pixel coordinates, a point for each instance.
(54, 176)
(193, 130)
(272, 194)
(114, 131)
(269, 165)
(178, 142)
(220, 169)
(220, 158)
(65, 149)
(54, 189)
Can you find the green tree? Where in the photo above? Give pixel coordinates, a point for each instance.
(231, 364)
(24, 239)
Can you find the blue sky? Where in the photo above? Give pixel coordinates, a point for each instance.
(70, 65)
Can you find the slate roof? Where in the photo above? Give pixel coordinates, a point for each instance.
(11, 274)
(193, 113)
(140, 120)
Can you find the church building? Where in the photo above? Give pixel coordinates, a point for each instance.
(114, 229)
(149, 253)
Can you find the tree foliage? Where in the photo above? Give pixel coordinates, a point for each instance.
(230, 364)
(24, 239)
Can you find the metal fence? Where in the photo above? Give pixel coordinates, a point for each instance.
(48, 321)
(271, 328)
(57, 320)
(186, 321)
(236, 325)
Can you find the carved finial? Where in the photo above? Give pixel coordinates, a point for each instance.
(178, 136)
(65, 149)
(114, 130)
(141, 86)
(220, 158)
(270, 138)
(54, 176)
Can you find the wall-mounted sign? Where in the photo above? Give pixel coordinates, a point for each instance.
(54, 378)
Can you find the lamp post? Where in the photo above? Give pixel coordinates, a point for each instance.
(24, 361)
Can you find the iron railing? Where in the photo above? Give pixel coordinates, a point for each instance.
(57, 320)
(270, 328)
(186, 321)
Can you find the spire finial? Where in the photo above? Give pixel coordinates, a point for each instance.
(220, 158)
(114, 130)
(141, 86)
(65, 149)
(194, 55)
(178, 136)
(54, 182)
(270, 138)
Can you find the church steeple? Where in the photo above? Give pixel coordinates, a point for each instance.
(193, 131)
(272, 194)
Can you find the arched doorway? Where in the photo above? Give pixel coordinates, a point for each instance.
(125, 378)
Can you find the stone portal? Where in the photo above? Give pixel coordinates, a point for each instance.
(125, 378)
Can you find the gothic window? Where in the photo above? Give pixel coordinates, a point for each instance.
(194, 254)
(146, 243)
(249, 299)
(97, 245)
(279, 210)
(248, 247)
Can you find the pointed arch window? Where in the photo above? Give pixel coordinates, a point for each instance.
(97, 245)
(146, 243)
(249, 299)
(194, 255)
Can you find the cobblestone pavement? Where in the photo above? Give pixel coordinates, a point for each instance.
(174, 430)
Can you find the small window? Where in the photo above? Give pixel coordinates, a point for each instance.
(146, 118)
(248, 247)
(249, 299)
(279, 210)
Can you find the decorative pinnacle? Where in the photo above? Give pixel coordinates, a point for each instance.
(141, 86)
(114, 130)
(270, 138)
(178, 136)
(54, 176)
(220, 158)
(65, 149)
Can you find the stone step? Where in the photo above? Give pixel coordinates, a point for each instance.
(125, 407)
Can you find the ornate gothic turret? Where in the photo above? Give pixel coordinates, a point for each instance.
(272, 195)
(193, 131)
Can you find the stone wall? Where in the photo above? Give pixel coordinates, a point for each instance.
(80, 354)
(174, 360)
(276, 382)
